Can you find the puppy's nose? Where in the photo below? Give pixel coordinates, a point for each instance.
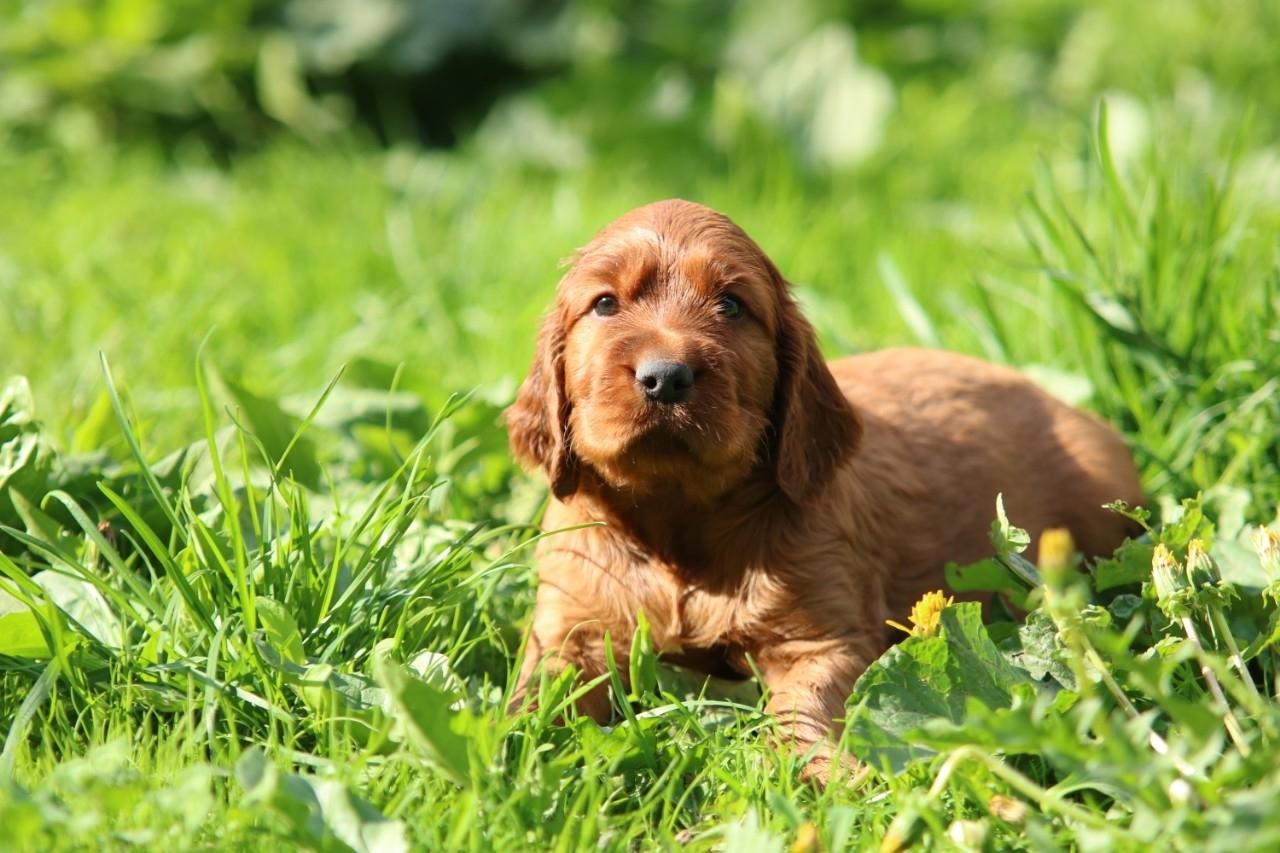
(665, 381)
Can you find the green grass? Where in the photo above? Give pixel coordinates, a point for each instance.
(228, 543)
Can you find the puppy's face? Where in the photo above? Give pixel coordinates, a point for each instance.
(669, 357)
(674, 358)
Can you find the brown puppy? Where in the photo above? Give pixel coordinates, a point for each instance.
(756, 500)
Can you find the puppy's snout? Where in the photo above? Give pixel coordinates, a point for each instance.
(665, 381)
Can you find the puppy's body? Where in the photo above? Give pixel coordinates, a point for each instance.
(794, 551)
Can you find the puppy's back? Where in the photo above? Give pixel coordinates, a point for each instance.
(946, 433)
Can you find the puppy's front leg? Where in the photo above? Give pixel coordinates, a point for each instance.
(562, 636)
(809, 681)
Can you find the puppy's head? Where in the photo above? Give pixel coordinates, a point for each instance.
(675, 358)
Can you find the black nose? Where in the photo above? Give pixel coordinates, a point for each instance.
(665, 381)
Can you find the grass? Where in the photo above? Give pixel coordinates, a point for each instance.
(265, 576)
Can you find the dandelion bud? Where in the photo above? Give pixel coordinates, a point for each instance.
(1205, 579)
(967, 834)
(1267, 543)
(1056, 552)
(1201, 571)
(1173, 591)
(902, 832)
(1164, 573)
(1008, 809)
(806, 840)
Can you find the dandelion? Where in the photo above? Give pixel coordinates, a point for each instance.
(1057, 549)
(1174, 595)
(806, 840)
(1179, 598)
(968, 834)
(903, 831)
(1266, 542)
(1205, 579)
(1070, 615)
(1212, 595)
(925, 615)
(1008, 809)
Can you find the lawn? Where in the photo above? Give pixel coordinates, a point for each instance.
(264, 554)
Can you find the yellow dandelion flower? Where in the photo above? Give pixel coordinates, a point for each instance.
(925, 615)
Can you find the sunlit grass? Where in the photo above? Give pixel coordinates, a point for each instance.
(244, 528)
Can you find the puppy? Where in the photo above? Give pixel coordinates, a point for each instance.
(757, 502)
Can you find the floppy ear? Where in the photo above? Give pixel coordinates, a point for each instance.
(816, 428)
(538, 421)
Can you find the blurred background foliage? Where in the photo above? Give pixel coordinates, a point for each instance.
(824, 74)
(389, 185)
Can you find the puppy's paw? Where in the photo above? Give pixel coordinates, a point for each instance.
(827, 765)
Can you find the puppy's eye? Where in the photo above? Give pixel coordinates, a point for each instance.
(730, 307)
(605, 306)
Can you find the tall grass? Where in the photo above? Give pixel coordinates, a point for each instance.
(1167, 298)
(354, 636)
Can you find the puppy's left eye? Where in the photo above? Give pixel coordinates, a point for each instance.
(730, 307)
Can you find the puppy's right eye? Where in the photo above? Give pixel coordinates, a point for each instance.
(605, 306)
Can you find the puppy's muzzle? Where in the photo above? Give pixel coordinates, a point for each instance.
(666, 382)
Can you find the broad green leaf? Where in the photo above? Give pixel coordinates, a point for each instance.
(1041, 655)
(353, 702)
(281, 629)
(618, 749)
(26, 458)
(436, 670)
(355, 822)
(1130, 564)
(82, 601)
(1229, 505)
(318, 811)
(278, 432)
(1270, 638)
(688, 684)
(928, 678)
(37, 522)
(425, 715)
(989, 575)
(1239, 563)
(1006, 538)
(1025, 725)
(1182, 523)
(20, 634)
(19, 629)
(291, 796)
(988, 674)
